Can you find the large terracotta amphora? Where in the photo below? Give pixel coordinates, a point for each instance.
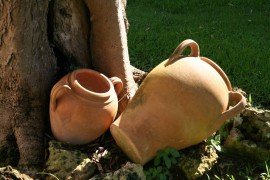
(181, 102)
(83, 105)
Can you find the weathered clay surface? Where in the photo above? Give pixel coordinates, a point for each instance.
(129, 171)
(68, 164)
(197, 161)
(250, 135)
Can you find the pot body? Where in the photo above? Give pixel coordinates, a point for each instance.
(83, 105)
(181, 102)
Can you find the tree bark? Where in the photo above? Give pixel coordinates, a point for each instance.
(70, 31)
(109, 44)
(27, 66)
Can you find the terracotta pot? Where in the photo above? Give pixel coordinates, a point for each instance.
(181, 102)
(83, 105)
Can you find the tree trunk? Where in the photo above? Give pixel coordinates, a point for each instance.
(27, 66)
(70, 32)
(109, 44)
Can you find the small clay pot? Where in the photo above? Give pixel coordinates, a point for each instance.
(83, 105)
(180, 103)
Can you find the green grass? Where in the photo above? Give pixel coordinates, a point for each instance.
(235, 34)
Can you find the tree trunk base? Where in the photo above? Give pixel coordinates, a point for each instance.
(138, 75)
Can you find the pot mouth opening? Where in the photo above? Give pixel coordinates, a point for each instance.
(92, 82)
(92, 85)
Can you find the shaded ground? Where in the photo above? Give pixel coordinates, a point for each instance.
(227, 166)
(104, 155)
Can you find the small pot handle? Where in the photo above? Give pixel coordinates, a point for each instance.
(241, 103)
(118, 84)
(177, 53)
(54, 93)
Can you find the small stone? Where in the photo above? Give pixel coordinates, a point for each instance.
(236, 134)
(237, 121)
(129, 171)
(64, 163)
(267, 114)
(194, 167)
(85, 170)
(252, 136)
(9, 173)
(249, 144)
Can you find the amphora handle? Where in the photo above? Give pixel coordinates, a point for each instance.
(177, 53)
(117, 83)
(55, 91)
(195, 52)
(234, 97)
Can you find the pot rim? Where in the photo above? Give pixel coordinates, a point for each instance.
(83, 92)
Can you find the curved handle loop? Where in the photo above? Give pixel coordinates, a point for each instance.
(177, 53)
(219, 70)
(118, 84)
(54, 93)
(234, 97)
